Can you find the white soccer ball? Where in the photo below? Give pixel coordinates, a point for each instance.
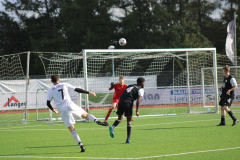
(122, 42)
(111, 47)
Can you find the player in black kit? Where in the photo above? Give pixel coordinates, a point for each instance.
(227, 96)
(125, 105)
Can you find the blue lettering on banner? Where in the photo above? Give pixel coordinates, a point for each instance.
(192, 91)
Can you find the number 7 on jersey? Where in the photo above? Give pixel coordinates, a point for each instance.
(61, 90)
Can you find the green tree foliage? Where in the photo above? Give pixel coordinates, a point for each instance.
(87, 24)
(11, 36)
(40, 20)
(73, 25)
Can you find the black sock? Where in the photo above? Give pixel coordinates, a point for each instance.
(231, 115)
(223, 119)
(129, 127)
(116, 123)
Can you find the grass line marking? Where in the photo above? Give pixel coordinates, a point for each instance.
(166, 155)
(177, 154)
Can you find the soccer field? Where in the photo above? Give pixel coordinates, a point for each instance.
(162, 137)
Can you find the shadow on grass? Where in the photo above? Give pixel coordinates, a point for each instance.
(176, 128)
(67, 146)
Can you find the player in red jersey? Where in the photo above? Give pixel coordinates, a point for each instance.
(119, 89)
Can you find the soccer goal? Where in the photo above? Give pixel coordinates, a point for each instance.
(13, 88)
(207, 73)
(173, 78)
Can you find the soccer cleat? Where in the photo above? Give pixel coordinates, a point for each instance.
(222, 124)
(82, 148)
(99, 122)
(111, 131)
(128, 140)
(105, 124)
(235, 122)
(102, 123)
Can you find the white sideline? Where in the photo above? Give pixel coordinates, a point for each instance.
(166, 155)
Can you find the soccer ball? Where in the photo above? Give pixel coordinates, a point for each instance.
(122, 42)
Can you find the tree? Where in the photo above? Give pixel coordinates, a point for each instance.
(11, 36)
(87, 24)
(40, 20)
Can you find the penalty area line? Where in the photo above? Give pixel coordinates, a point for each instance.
(166, 155)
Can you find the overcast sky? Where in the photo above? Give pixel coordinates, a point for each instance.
(216, 14)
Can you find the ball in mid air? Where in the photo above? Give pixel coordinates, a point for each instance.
(122, 42)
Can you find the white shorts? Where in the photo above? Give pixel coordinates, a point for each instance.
(67, 112)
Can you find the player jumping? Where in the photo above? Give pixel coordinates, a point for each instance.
(119, 89)
(66, 108)
(227, 96)
(125, 105)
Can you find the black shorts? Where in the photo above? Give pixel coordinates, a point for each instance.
(226, 101)
(125, 107)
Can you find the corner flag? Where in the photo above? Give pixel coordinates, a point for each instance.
(229, 46)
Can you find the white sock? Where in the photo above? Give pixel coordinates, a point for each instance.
(113, 127)
(92, 118)
(76, 137)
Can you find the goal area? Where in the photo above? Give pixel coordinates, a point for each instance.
(175, 79)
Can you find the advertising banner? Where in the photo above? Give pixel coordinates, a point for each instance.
(13, 101)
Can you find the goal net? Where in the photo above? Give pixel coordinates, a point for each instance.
(173, 78)
(13, 86)
(208, 88)
(67, 66)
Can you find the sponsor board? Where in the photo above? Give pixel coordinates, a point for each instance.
(12, 102)
(151, 97)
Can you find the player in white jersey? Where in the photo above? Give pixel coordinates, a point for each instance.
(66, 108)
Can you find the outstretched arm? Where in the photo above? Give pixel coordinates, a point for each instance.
(79, 90)
(112, 86)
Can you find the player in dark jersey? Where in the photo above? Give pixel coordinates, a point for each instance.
(132, 92)
(227, 96)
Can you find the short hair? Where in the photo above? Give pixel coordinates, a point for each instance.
(226, 68)
(54, 78)
(121, 77)
(140, 80)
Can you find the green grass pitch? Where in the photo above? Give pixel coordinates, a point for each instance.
(187, 136)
